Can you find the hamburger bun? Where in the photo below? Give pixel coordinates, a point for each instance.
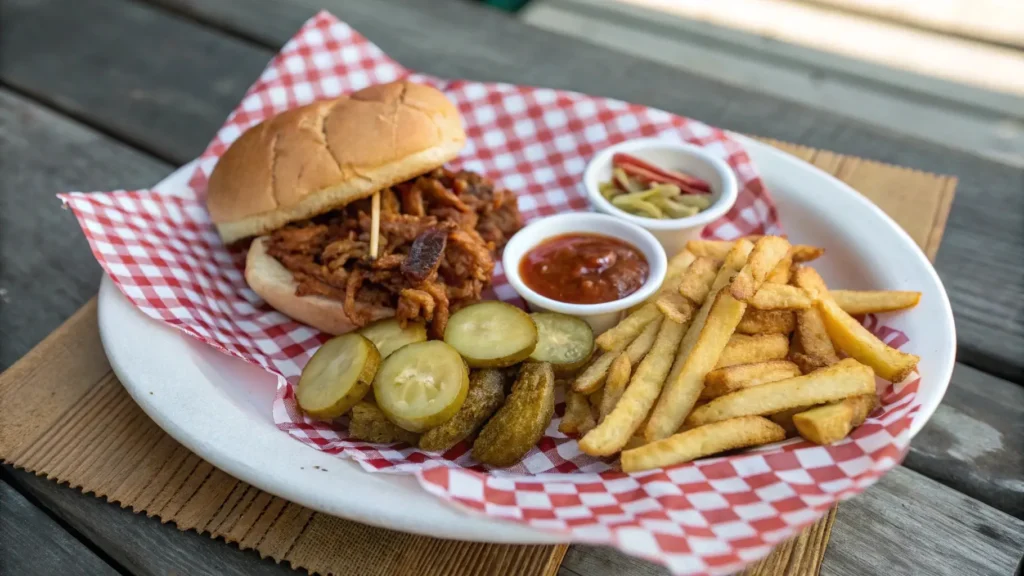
(276, 285)
(327, 154)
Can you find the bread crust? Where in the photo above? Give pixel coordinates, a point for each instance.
(276, 285)
(324, 155)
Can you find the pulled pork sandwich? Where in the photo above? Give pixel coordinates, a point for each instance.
(299, 186)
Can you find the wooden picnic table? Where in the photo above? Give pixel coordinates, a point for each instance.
(107, 94)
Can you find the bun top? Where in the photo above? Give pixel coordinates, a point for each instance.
(312, 159)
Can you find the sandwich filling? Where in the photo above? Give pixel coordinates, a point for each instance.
(439, 236)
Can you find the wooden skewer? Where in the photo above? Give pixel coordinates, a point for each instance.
(374, 224)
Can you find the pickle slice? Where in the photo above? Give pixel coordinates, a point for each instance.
(421, 385)
(564, 341)
(521, 421)
(486, 393)
(388, 335)
(491, 334)
(337, 376)
(368, 422)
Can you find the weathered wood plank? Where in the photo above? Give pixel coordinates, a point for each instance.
(906, 524)
(113, 76)
(189, 77)
(975, 441)
(909, 525)
(32, 543)
(48, 271)
(959, 116)
(141, 545)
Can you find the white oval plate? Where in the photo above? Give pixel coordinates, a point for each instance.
(220, 407)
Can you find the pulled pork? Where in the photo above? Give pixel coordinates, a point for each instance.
(439, 235)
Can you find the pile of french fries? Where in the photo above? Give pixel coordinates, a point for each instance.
(741, 347)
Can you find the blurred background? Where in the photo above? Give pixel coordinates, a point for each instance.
(947, 71)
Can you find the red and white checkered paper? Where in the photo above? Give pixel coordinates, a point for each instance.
(708, 517)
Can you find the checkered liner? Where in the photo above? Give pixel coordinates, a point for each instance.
(708, 517)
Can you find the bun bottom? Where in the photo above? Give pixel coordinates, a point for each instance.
(276, 285)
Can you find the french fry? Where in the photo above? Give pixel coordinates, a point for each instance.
(595, 402)
(810, 281)
(734, 261)
(744, 349)
(693, 287)
(675, 307)
(676, 266)
(678, 400)
(857, 302)
(702, 441)
(716, 249)
(644, 387)
(732, 378)
(695, 284)
(808, 363)
(592, 378)
(768, 251)
(686, 379)
(841, 380)
(634, 442)
(639, 348)
(782, 271)
(620, 335)
(816, 349)
(850, 336)
(857, 342)
(785, 419)
(780, 297)
(833, 422)
(767, 322)
(578, 418)
(615, 385)
(804, 253)
(813, 339)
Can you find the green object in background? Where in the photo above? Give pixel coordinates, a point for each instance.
(509, 5)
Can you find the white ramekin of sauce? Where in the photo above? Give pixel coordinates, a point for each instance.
(586, 265)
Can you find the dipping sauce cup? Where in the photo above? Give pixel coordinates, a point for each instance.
(603, 315)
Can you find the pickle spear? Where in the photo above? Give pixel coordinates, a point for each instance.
(337, 376)
(368, 422)
(520, 423)
(564, 341)
(421, 385)
(491, 334)
(486, 393)
(388, 335)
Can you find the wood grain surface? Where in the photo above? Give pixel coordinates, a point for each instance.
(166, 83)
(48, 271)
(32, 542)
(975, 441)
(140, 545)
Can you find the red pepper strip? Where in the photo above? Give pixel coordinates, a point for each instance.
(648, 178)
(667, 176)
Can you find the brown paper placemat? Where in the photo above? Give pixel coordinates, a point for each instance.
(66, 416)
